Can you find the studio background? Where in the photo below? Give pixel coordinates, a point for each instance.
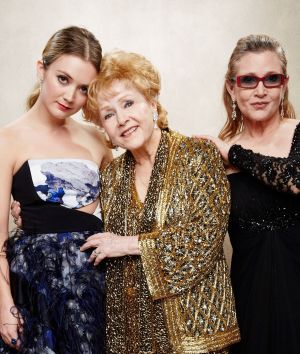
(189, 41)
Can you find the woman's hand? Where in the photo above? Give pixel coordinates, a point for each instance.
(15, 210)
(222, 146)
(108, 245)
(11, 325)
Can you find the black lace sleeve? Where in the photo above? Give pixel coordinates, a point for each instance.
(283, 174)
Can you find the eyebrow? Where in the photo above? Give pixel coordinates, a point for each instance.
(120, 99)
(70, 77)
(126, 95)
(63, 72)
(104, 108)
(267, 73)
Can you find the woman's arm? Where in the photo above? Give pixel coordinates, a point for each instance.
(8, 322)
(175, 258)
(178, 257)
(283, 174)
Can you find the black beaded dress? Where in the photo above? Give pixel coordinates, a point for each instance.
(264, 230)
(59, 294)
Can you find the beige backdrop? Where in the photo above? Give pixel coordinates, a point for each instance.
(188, 40)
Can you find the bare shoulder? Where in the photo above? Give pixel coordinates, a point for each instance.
(16, 131)
(94, 138)
(288, 127)
(5, 137)
(89, 129)
(234, 139)
(15, 128)
(9, 146)
(291, 122)
(9, 134)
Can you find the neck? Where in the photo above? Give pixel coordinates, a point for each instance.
(260, 129)
(146, 154)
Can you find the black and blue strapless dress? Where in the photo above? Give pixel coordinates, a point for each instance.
(59, 294)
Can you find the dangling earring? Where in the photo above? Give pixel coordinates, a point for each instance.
(282, 109)
(40, 86)
(155, 117)
(116, 147)
(233, 114)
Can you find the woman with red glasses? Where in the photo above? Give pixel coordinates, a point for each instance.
(260, 145)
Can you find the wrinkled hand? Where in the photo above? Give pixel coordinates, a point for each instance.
(11, 325)
(108, 245)
(15, 210)
(222, 146)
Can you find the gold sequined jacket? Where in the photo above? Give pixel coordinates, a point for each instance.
(176, 297)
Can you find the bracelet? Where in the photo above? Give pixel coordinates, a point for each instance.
(3, 254)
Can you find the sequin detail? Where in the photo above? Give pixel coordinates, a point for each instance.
(176, 298)
(277, 219)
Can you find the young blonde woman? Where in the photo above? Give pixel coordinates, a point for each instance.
(51, 297)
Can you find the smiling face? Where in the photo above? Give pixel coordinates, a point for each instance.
(260, 103)
(64, 85)
(127, 116)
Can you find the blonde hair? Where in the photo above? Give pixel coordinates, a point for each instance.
(73, 41)
(250, 44)
(131, 67)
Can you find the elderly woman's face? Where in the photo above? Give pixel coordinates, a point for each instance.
(126, 115)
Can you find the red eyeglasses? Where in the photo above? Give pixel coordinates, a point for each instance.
(269, 81)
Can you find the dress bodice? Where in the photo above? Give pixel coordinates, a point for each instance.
(73, 183)
(256, 208)
(264, 229)
(51, 190)
(265, 194)
(56, 291)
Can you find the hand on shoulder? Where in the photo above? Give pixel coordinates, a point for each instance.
(222, 146)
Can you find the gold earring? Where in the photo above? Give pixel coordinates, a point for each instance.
(40, 85)
(233, 114)
(155, 117)
(282, 109)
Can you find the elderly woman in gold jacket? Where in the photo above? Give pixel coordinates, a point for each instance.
(165, 205)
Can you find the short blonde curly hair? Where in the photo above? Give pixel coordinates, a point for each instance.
(133, 68)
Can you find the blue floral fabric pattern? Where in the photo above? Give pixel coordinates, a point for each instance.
(61, 181)
(57, 292)
(66, 313)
